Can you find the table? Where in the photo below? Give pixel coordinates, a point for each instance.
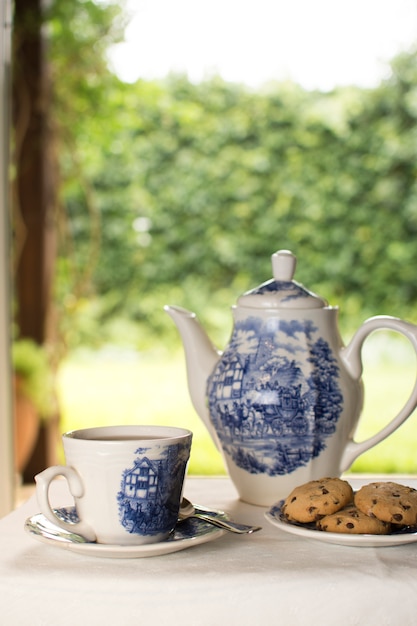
(269, 577)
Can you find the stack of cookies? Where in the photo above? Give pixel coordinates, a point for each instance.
(330, 503)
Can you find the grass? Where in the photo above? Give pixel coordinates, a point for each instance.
(125, 388)
(120, 387)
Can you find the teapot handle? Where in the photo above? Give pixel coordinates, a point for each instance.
(351, 356)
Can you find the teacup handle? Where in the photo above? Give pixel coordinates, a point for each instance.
(43, 481)
(351, 355)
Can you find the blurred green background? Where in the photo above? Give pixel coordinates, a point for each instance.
(175, 192)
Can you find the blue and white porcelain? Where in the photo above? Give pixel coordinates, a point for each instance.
(283, 400)
(126, 481)
(188, 534)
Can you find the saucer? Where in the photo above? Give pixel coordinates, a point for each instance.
(189, 533)
(276, 518)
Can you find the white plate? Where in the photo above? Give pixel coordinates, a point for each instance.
(189, 533)
(275, 517)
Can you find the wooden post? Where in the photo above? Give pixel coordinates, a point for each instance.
(34, 198)
(34, 192)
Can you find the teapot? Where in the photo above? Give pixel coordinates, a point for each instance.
(283, 400)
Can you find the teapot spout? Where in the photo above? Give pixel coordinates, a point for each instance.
(201, 356)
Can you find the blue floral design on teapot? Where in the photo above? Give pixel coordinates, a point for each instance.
(261, 390)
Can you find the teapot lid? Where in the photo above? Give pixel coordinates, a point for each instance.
(282, 292)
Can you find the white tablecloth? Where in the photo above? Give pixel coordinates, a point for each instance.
(269, 577)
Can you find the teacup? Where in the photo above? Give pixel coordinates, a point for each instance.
(126, 481)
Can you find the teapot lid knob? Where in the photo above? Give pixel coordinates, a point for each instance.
(283, 265)
(282, 292)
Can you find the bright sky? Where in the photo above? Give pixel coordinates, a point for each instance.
(317, 43)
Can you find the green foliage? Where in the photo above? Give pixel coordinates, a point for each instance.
(176, 192)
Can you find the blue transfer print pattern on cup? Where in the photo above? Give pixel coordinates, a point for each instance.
(274, 397)
(150, 491)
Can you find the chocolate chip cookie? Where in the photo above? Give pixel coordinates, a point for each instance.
(389, 502)
(311, 501)
(351, 520)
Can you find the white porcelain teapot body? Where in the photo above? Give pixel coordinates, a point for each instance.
(283, 400)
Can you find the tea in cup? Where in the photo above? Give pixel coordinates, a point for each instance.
(127, 482)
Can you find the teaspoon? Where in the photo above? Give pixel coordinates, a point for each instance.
(187, 509)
